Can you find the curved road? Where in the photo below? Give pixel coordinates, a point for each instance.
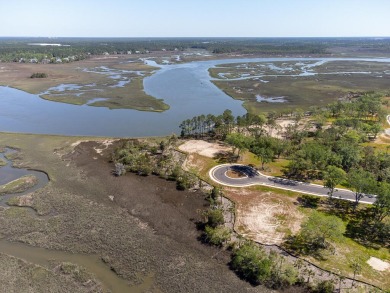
(253, 177)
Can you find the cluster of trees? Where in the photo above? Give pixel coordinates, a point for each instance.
(321, 144)
(327, 144)
(147, 158)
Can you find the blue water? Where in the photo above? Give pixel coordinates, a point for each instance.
(186, 88)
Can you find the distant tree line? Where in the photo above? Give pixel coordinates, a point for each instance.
(15, 49)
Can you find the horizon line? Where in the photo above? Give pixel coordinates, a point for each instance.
(196, 37)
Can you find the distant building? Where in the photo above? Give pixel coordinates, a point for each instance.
(129, 52)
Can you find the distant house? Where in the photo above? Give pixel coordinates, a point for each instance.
(34, 60)
(58, 60)
(106, 54)
(137, 52)
(129, 52)
(45, 61)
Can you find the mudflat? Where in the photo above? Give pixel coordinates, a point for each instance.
(139, 226)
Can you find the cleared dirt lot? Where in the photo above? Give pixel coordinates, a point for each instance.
(265, 217)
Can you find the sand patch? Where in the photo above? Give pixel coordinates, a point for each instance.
(264, 217)
(203, 148)
(105, 143)
(378, 264)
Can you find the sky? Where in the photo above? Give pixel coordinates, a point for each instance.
(195, 18)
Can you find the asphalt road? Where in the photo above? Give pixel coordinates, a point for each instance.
(253, 177)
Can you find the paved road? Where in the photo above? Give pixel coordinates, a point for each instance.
(253, 177)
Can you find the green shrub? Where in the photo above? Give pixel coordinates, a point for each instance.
(216, 236)
(324, 287)
(252, 263)
(38, 75)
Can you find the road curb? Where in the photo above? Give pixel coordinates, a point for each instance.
(212, 177)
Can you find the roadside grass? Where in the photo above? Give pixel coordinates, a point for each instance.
(275, 168)
(200, 166)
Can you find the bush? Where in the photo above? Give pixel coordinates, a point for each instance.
(316, 232)
(324, 287)
(214, 217)
(252, 263)
(216, 236)
(38, 75)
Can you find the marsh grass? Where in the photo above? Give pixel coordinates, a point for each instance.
(130, 96)
(301, 91)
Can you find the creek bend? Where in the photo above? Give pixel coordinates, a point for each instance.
(43, 257)
(9, 173)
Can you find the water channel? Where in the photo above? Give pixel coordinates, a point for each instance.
(43, 257)
(8, 173)
(186, 88)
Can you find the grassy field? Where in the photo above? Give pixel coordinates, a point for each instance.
(335, 80)
(93, 78)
